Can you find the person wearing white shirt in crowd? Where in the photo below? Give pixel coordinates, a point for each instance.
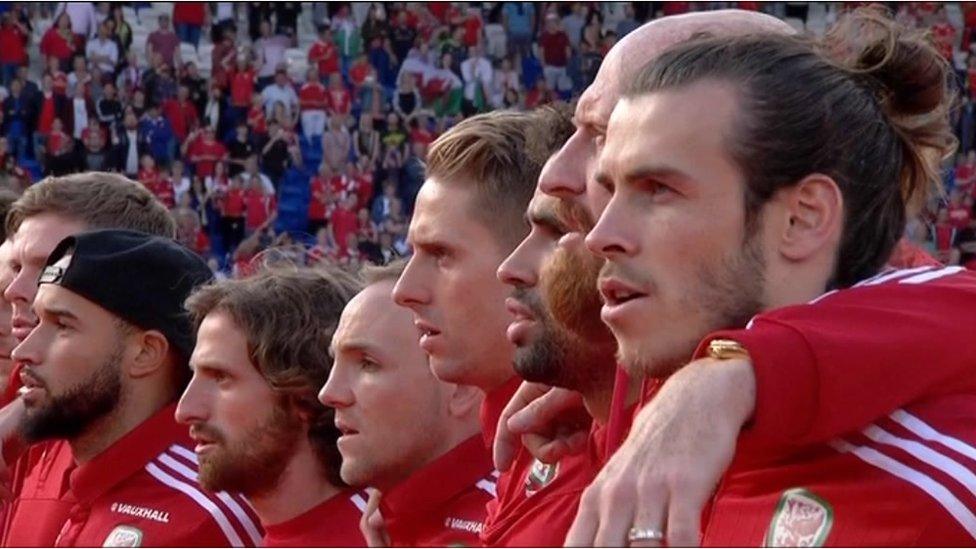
(476, 70)
(179, 179)
(103, 51)
(251, 171)
(281, 90)
(418, 63)
(270, 51)
(84, 20)
(79, 107)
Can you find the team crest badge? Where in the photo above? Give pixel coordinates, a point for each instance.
(124, 536)
(801, 520)
(540, 476)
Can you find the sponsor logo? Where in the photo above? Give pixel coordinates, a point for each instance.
(539, 476)
(464, 525)
(141, 512)
(124, 536)
(801, 520)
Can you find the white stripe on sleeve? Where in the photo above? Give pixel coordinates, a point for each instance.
(940, 493)
(196, 495)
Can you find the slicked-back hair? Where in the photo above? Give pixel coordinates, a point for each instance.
(867, 105)
(501, 154)
(101, 200)
(288, 316)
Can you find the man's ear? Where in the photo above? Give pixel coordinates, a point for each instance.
(464, 400)
(812, 214)
(150, 349)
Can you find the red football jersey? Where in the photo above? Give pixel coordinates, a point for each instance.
(443, 504)
(42, 505)
(841, 378)
(904, 480)
(332, 523)
(493, 406)
(312, 96)
(816, 465)
(536, 502)
(143, 491)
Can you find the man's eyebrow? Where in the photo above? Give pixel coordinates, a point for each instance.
(58, 312)
(547, 217)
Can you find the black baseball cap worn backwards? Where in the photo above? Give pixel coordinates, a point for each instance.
(141, 278)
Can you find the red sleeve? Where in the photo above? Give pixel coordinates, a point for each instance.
(834, 365)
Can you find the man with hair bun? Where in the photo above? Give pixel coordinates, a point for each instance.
(741, 221)
(260, 359)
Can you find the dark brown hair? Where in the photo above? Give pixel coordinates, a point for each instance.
(502, 153)
(867, 105)
(101, 200)
(288, 316)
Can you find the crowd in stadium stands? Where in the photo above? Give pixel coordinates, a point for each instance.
(320, 155)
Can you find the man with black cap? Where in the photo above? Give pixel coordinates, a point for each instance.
(102, 370)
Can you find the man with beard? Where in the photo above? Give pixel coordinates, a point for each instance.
(405, 432)
(261, 357)
(101, 370)
(559, 341)
(754, 210)
(43, 216)
(687, 463)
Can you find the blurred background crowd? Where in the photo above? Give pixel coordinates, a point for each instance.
(299, 130)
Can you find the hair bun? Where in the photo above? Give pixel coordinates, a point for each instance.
(910, 74)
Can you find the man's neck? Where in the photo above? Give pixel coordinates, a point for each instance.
(301, 487)
(129, 413)
(597, 402)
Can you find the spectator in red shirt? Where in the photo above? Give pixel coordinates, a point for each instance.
(340, 100)
(324, 54)
(259, 206)
(344, 221)
(232, 212)
(59, 78)
(313, 102)
(181, 113)
(556, 51)
(405, 432)
(13, 46)
(944, 238)
(204, 151)
(59, 147)
(163, 41)
(320, 202)
(241, 88)
(148, 173)
(265, 435)
(189, 18)
(59, 42)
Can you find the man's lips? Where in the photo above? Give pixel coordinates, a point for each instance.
(518, 309)
(617, 292)
(21, 328)
(345, 429)
(426, 328)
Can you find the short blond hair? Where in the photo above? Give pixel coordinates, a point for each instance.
(502, 154)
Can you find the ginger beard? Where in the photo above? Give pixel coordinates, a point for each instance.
(573, 348)
(68, 415)
(253, 463)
